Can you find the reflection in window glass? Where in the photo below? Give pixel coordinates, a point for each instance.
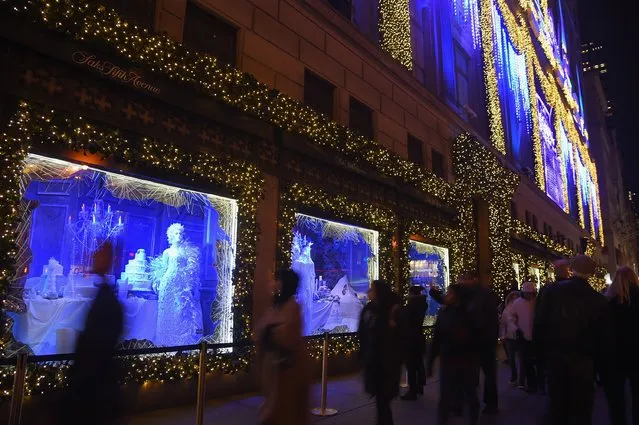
(173, 257)
(336, 263)
(429, 267)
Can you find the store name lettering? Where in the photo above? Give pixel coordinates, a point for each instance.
(113, 71)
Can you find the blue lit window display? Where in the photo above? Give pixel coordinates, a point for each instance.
(429, 267)
(514, 92)
(336, 263)
(552, 161)
(173, 260)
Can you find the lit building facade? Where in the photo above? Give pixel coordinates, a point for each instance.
(408, 140)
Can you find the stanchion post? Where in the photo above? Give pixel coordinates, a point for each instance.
(404, 381)
(201, 386)
(19, 376)
(323, 410)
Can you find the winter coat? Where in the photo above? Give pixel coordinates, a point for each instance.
(508, 325)
(574, 319)
(285, 366)
(412, 322)
(625, 319)
(379, 354)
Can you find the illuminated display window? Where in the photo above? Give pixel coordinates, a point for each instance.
(173, 256)
(335, 263)
(429, 267)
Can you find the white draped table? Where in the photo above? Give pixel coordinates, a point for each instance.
(38, 327)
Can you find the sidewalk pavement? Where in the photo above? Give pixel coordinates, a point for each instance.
(346, 395)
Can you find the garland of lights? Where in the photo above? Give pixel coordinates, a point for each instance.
(88, 22)
(296, 197)
(394, 30)
(557, 98)
(39, 126)
(480, 174)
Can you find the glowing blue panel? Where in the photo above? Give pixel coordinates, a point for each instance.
(552, 161)
(429, 267)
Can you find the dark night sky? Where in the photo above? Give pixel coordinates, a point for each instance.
(614, 24)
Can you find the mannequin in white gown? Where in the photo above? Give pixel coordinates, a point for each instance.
(304, 266)
(350, 306)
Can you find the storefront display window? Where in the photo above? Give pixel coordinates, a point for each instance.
(429, 267)
(336, 263)
(173, 260)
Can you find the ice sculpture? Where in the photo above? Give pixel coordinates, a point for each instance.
(176, 279)
(50, 272)
(305, 268)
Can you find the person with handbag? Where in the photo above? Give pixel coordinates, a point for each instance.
(283, 357)
(523, 312)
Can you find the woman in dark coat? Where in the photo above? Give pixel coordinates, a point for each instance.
(414, 342)
(623, 297)
(378, 333)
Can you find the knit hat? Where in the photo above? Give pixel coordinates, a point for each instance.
(583, 265)
(528, 288)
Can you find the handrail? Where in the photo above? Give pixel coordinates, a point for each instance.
(11, 361)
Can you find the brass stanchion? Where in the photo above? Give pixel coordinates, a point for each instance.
(323, 410)
(404, 381)
(15, 410)
(201, 386)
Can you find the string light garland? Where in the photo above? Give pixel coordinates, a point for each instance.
(88, 22)
(554, 92)
(35, 126)
(394, 30)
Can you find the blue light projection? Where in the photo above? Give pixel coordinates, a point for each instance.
(571, 178)
(552, 161)
(466, 14)
(514, 92)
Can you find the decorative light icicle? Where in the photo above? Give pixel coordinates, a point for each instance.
(466, 13)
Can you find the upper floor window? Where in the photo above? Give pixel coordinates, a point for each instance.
(528, 218)
(360, 118)
(362, 13)
(439, 164)
(319, 94)
(415, 150)
(534, 223)
(461, 76)
(513, 209)
(209, 34)
(142, 12)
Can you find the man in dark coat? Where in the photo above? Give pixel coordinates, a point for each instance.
(573, 329)
(456, 342)
(562, 272)
(484, 307)
(414, 342)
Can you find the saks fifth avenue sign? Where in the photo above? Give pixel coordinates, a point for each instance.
(113, 71)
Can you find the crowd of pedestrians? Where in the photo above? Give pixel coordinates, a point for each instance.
(559, 341)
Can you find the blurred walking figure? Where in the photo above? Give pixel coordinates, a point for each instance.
(92, 395)
(523, 312)
(574, 331)
(283, 357)
(509, 335)
(379, 353)
(623, 296)
(456, 343)
(484, 308)
(414, 341)
(562, 272)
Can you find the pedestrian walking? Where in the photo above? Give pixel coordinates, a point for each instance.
(455, 341)
(414, 341)
(484, 307)
(283, 357)
(561, 270)
(523, 312)
(509, 335)
(92, 394)
(623, 295)
(379, 339)
(573, 327)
